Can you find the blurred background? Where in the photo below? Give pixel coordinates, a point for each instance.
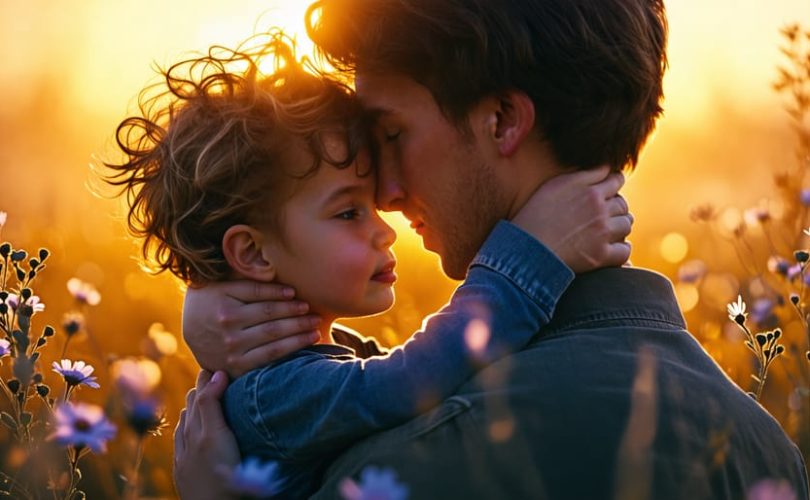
(72, 70)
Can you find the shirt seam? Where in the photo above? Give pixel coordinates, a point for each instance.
(595, 320)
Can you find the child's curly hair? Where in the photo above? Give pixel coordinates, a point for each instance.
(215, 146)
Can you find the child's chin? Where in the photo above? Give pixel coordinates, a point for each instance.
(378, 307)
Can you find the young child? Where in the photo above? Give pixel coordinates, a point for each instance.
(230, 173)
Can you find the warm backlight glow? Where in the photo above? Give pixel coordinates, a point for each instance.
(687, 295)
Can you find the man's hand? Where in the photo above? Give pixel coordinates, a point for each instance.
(582, 218)
(241, 325)
(203, 444)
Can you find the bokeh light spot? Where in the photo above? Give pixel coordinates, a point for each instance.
(501, 430)
(674, 247)
(477, 336)
(710, 330)
(718, 289)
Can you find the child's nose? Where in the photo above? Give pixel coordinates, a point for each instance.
(385, 235)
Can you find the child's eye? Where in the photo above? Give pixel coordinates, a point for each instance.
(391, 136)
(349, 214)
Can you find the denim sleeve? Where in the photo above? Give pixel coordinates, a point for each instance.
(312, 405)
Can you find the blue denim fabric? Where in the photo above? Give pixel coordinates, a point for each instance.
(304, 409)
(573, 416)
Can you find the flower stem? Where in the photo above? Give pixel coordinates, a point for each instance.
(132, 487)
(64, 348)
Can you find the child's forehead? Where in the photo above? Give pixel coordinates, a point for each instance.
(332, 149)
(329, 178)
(330, 184)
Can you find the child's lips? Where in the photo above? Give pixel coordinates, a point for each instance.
(386, 274)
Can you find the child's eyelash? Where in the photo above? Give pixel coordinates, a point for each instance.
(349, 214)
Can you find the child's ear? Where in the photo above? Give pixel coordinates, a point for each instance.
(512, 120)
(242, 246)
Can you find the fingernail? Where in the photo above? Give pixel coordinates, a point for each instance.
(315, 321)
(314, 336)
(217, 378)
(303, 307)
(288, 292)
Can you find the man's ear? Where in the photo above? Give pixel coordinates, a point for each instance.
(512, 120)
(244, 251)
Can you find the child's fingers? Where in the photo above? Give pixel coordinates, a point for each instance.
(617, 205)
(618, 254)
(619, 227)
(273, 331)
(257, 313)
(579, 178)
(591, 175)
(254, 291)
(610, 186)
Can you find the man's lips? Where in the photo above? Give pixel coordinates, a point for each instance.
(418, 226)
(386, 274)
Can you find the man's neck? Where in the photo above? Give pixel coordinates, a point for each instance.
(531, 167)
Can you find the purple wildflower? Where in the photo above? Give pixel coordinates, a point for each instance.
(144, 414)
(756, 215)
(804, 197)
(76, 373)
(794, 271)
(762, 313)
(691, 271)
(778, 265)
(33, 302)
(375, 484)
(84, 293)
(82, 425)
(254, 479)
(72, 323)
(136, 376)
(5, 348)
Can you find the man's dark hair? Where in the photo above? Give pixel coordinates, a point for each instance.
(593, 68)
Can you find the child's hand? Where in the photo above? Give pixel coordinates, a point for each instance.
(241, 325)
(581, 218)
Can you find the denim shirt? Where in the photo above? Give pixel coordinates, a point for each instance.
(303, 410)
(613, 399)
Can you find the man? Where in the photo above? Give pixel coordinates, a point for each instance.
(477, 103)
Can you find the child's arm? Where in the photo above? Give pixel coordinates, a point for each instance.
(239, 326)
(313, 405)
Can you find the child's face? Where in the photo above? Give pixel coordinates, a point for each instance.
(337, 253)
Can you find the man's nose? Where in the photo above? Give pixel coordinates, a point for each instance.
(390, 195)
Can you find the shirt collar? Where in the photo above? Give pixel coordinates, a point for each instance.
(617, 293)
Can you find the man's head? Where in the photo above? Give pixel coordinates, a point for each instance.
(468, 92)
